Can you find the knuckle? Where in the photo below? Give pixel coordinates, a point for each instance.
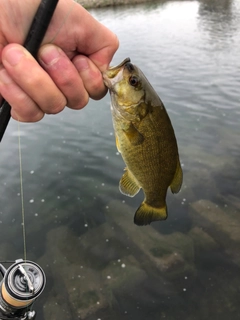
(115, 43)
(27, 118)
(31, 117)
(57, 106)
(79, 102)
(96, 84)
(66, 82)
(99, 95)
(32, 80)
(26, 111)
(97, 90)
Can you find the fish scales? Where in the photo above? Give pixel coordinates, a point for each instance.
(151, 155)
(146, 140)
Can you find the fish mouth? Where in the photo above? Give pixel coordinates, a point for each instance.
(112, 73)
(106, 80)
(119, 66)
(109, 83)
(110, 80)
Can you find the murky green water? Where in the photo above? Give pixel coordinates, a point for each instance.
(80, 229)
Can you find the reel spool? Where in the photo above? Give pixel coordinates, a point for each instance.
(22, 283)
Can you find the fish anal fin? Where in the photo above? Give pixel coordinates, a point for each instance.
(146, 214)
(128, 184)
(133, 135)
(177, 179)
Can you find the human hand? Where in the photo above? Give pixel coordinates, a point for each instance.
(74, 52)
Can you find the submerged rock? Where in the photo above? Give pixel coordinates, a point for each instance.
(202, 240)
(77, 288)
(170, 254)
(221, 224)
(122, 276)
(91, 275)
(231, 200)
(209, 215)
(90, 272)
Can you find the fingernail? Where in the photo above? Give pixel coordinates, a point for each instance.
(49, 54)
(13, 56)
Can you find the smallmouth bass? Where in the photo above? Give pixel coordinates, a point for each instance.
(146, 140)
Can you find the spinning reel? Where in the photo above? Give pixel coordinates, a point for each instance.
(22, 283)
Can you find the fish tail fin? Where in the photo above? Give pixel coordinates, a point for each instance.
(146, 214)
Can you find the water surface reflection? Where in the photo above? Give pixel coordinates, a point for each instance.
(80, 229)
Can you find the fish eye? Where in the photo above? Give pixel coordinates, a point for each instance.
(133, 80)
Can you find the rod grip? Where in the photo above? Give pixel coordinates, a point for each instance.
(32, 43)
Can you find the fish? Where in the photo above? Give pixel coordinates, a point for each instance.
(146, 140)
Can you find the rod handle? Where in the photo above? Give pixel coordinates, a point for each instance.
(32, 43)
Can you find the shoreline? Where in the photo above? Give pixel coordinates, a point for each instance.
(89, 4)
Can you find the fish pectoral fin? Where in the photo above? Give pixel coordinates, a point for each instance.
(146, 214)
(177, 179)
(128, 184)
(133, 135)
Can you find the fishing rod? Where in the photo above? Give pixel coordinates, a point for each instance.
(32, 43)
(24, 280)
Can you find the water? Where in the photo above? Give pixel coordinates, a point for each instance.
(80, 229)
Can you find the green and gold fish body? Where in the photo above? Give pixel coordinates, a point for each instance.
(146, 140)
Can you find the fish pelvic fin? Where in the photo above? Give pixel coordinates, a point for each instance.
(128, 184)
(177, 179)
(146, 214)
(117, 145)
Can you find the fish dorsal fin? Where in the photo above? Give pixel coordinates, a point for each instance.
(133, 135)
(177, 179)
(128, 184)
(146, 214)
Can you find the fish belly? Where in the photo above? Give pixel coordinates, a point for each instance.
(153, 161)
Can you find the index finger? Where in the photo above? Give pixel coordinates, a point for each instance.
(87, 36)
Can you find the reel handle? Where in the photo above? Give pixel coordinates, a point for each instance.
(21, 285)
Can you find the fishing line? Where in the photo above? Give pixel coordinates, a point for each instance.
(64, 21)
(21, 194)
